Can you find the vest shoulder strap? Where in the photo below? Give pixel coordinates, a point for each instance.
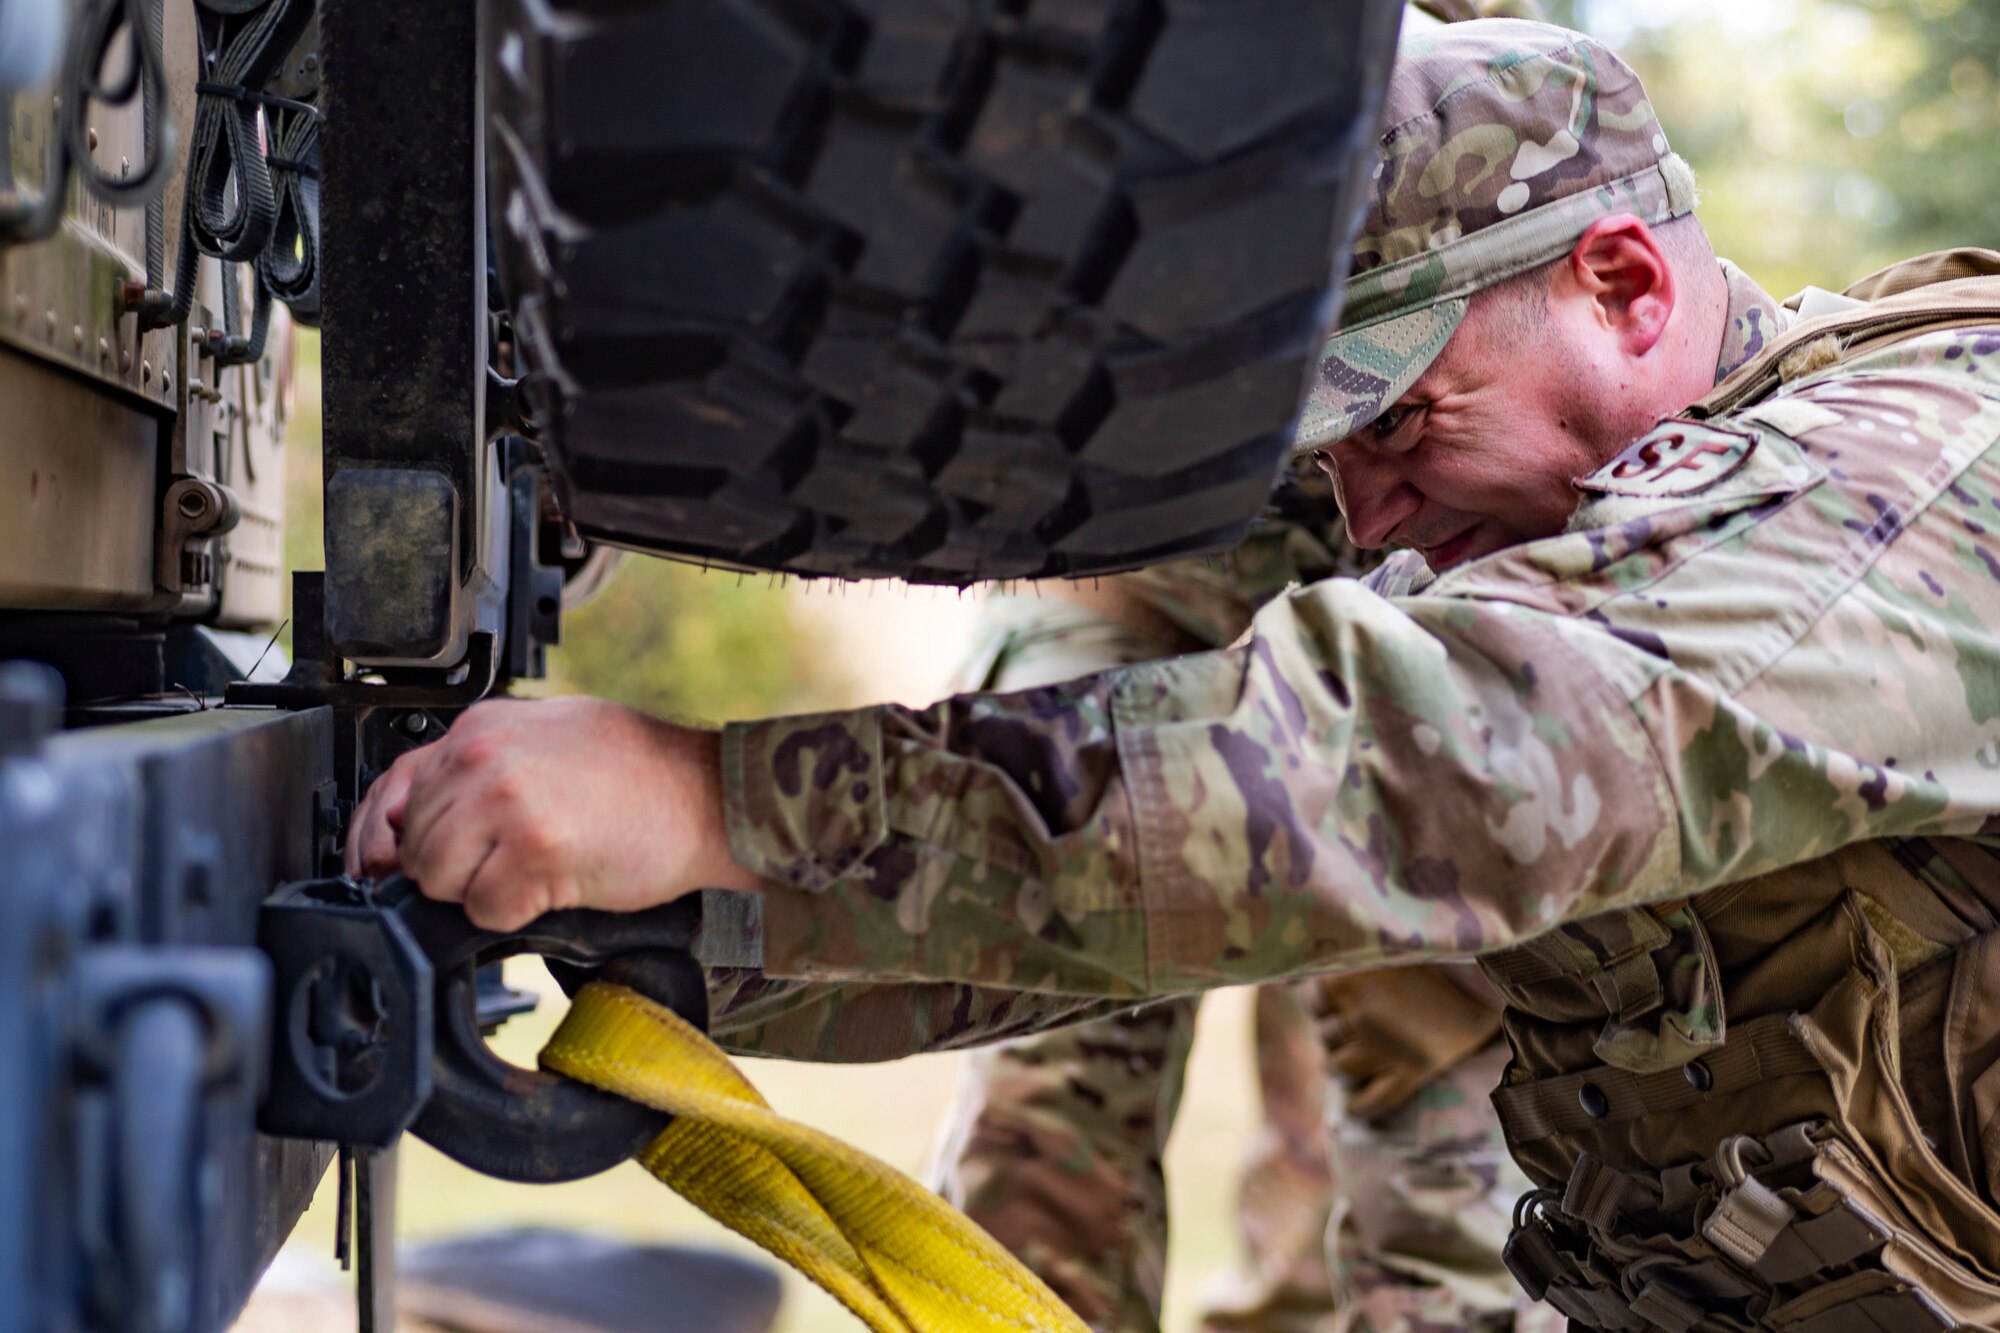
(1926, 271)
(1947, 290)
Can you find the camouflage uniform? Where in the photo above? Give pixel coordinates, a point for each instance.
(1056, 1143)
(1710, 780)
(999, 863)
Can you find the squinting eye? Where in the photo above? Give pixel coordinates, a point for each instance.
(1387, 424)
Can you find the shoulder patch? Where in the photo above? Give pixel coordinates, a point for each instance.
(1678, 457)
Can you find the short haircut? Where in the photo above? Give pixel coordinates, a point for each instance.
(1516, 309)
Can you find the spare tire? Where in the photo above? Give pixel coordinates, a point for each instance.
(942, 290)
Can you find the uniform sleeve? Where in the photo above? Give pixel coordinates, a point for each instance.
(1715, 675)
(1361, 780)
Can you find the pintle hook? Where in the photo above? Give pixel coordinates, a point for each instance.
(378, 1027)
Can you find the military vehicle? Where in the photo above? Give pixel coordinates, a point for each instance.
(938, 290)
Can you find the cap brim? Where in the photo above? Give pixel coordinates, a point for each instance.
(1363, 371)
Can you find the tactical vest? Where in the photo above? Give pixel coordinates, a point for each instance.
(1775, 1105)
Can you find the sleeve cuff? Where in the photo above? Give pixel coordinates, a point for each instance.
(803, 796)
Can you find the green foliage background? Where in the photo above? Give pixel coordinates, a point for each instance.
(1829, 136)
(702, 645)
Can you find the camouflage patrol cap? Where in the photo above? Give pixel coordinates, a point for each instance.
(1503, 141)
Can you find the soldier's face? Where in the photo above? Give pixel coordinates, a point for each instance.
(1481, 452)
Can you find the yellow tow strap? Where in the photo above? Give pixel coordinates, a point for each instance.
(891, 1251)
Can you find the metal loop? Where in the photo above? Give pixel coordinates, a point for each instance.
(530, 1125)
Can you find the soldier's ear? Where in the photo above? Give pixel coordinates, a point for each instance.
(1618, 267)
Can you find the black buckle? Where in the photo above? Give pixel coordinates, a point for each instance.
(377, 1027)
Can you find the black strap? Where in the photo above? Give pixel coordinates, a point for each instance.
(308, 169)
(289, 268)
(237, 92)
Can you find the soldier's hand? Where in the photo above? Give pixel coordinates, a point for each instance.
(528, 806)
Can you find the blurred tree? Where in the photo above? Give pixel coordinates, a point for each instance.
(1928, 142)
(1829, 136)
(1747, 96)
(704, 645)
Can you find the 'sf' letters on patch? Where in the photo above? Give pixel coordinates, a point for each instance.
(1677, 458)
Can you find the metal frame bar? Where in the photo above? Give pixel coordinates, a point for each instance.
(404, 281)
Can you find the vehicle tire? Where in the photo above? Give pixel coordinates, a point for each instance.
(943, 290)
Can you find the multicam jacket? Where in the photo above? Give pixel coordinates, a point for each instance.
(1371, 778)
(1711, 782)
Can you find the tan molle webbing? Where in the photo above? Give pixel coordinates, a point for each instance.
(1952, 289)
(1602, 949)
(1654, 972)
(1926, 271)
(1782, 1243)
(894, 1253)
(1757, 1051)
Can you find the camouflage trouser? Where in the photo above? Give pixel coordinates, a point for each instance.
(1390, 1221)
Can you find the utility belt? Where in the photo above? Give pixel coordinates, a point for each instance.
(1789, 1231)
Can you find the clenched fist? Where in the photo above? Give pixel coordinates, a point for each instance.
(529, 806)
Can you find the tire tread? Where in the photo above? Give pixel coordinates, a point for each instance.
(944, 290)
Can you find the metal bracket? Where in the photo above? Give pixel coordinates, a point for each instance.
(194, 510)
(481, 660)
